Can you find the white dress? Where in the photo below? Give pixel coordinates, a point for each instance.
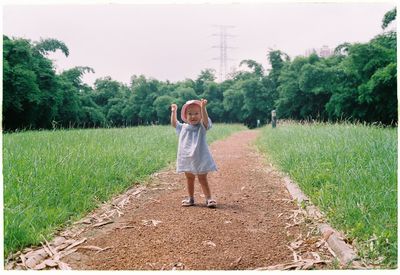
(193, 153)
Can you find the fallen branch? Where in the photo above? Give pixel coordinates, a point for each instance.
(102, 223)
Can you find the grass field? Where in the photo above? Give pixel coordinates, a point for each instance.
(52, 178)
(350, 172)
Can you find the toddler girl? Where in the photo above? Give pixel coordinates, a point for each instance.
(193, 156)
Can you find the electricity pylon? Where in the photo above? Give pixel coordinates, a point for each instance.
(223, 52)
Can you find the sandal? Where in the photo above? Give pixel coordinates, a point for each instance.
(211, 203)
(188, 202)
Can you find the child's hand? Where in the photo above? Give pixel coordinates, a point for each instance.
(203, 103)
(174, 107)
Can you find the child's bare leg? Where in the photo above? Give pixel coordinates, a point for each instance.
(204, 185)
(190, 184)
(190, 187)
(206, 190)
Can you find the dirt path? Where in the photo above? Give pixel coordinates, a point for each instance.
(254, 225)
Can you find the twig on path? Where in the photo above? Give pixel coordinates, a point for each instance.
(76, 243)
(291, 225)
(297, 265)
(295, 256)
(296, 244)
(48, 251)
(125, 227)
(64, 266)
(236, 262)
(102, 223)
(67, 252)
(96, 248)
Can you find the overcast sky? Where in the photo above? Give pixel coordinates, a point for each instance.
(174, 42)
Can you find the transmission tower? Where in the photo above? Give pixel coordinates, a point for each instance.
(223, 52)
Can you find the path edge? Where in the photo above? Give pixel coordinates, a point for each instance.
(344, 252)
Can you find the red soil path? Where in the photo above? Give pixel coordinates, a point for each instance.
(251, 228)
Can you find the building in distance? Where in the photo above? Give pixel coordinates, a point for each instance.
(324, 51)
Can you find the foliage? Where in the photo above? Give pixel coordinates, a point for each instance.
(388, 18)
(51, 45)
(357, 83)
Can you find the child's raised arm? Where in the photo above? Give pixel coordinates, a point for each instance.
(204, 114)
(173, 114)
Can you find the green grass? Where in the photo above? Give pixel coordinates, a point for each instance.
(350, 172)
(52, 178)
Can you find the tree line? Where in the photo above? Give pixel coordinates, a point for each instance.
(357, 83)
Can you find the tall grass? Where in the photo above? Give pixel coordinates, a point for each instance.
(350, 172)
(52, 178)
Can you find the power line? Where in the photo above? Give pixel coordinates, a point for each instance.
(223, 49)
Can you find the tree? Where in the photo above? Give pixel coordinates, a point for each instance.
(365, 61)
(254, 103)
(144, 92)
(69, 105)
(73, 97)
(31, 95)
(183, 94)
(389, 17)
(91, 114)
(291, 98)
(258, 69)
(277, 59)
(93, 117)
(233, 103)
(74, 76)
(205, 76)
(342, 49)
(316, 81)
(114, 115)
(379, 94)
(105, 89)
(359, 82)
(162, 106)
(51, 45)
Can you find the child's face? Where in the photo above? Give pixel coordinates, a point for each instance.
(193, 114)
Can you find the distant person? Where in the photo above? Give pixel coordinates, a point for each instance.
(194, 157)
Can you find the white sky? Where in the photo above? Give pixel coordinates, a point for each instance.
(175, 41)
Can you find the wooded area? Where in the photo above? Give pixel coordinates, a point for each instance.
(357, 83)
